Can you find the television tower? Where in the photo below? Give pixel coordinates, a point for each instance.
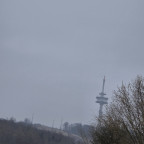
(101, 99)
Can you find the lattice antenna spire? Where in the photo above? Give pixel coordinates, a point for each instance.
(103, 85)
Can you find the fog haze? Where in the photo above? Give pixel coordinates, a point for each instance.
(54, 55)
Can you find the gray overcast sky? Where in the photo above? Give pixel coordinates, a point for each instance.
(54, 54)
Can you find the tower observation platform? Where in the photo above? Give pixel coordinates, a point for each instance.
(101, 99)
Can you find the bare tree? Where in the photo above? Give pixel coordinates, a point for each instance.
(124, 118)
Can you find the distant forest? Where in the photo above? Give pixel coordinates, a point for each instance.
(12, 132)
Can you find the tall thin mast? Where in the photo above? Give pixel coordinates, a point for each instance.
(103, 85)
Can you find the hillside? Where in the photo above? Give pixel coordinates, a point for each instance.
(12, 132)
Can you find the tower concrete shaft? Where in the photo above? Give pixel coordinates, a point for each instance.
(100, 110)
